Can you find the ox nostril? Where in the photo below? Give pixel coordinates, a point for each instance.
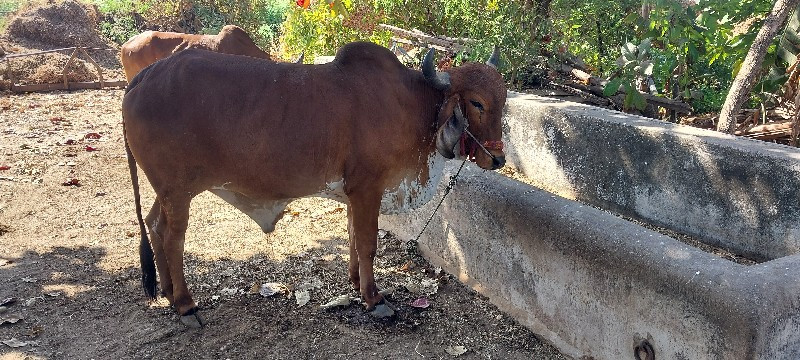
(498, 162)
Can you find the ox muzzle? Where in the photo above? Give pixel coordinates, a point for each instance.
(469, 150)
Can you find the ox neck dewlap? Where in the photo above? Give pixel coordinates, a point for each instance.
(469, 150)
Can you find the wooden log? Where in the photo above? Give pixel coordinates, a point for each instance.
(582, 91)
(768, 131)
(71, 86)
(451, 44)
(676, 105)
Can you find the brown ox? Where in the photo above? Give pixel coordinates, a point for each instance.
(151, 46)
(364, 130)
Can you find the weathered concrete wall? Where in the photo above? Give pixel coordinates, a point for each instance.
(739, 194)
(595, 285)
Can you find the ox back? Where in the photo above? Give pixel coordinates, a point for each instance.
(148, 47)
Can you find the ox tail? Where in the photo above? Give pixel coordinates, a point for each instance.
(146, 258)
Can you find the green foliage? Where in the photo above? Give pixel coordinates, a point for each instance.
(119, 27)
(698, 45)
(260, 18)
(634, 68)
(702, 45)
(593, 29)
(7, 7)
(520, 33)
(320, 30)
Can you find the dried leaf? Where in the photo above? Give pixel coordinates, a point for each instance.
(302, 297)
(10, 318)
(388, 291)
(412, 286)
(421, 303)
(228, 291)
(455, 350)
(313, 283)
(8, 301)
(428, 286)
(269, 289)
(71, 182)
(341, 300)
(407, 266)
(92, 136)
(14, 343)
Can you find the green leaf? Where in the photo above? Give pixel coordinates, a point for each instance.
(644, 46)
(633, 98)
(693, 53)
(639, 101)
(629, 51)
(647, 66)
(612, 87)
(628, 102)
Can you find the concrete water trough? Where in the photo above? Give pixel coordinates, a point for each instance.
(598, 286)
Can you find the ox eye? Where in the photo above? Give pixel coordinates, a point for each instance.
(477, 105)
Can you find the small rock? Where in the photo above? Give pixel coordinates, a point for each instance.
(302, 297)
(455, 350)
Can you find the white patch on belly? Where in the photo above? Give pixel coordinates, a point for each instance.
(264, 213)
(221, 187)
(334, 191)
(413, 192)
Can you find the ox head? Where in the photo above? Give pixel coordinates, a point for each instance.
(471, 116)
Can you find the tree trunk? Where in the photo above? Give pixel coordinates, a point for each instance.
(748, 73)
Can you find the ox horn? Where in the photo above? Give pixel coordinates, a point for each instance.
(441, 81)
(494, 60)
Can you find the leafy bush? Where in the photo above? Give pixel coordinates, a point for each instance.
(320, 30)
(7, 7)
(119, 27)
(519, 31)
(260, 18)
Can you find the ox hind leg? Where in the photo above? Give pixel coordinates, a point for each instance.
(156, 222)
(362, 215)
(175, 212)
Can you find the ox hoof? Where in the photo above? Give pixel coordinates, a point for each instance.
(193, 320)
(382, 310)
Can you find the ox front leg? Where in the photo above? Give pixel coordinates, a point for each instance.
(363, 228)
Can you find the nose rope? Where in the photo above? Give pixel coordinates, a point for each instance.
(497, 145)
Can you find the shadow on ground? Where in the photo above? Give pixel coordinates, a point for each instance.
(71, 308)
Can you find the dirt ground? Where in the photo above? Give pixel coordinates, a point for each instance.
(68, 258)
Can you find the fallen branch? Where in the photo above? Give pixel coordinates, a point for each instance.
(768, 131)
(451, 44)
(596, 86)
(676, 105)
(583, 92)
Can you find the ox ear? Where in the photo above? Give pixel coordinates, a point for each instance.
(450, 132)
